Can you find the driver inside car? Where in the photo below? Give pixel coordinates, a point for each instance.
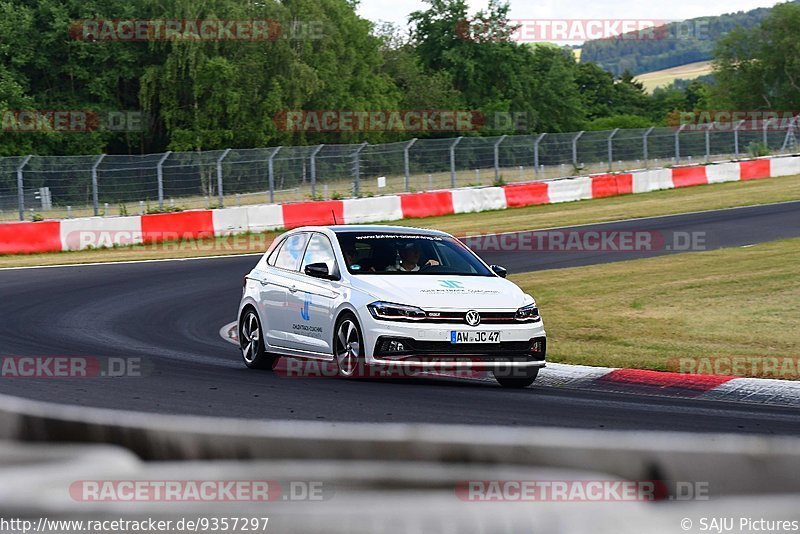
(409, 259)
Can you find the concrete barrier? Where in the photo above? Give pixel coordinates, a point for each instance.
(479, 199)
(264, 217)
(228, 221)
(374, 209)
(724, 172)
(569, 190)
(652, 180)
(100, 232)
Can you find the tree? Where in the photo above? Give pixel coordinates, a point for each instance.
(596, 87)
(759, 68)
(494, 74)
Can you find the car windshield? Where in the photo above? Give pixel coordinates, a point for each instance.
(408, 253)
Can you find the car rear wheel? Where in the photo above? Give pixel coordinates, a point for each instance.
(348, 347)
(251, 341)
(516, 377)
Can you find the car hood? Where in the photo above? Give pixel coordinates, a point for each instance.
(444, 292)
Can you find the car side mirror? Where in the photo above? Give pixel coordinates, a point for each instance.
(502, 272)
(318, 270)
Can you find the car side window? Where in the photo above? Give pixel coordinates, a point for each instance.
(274, 256)
(319, 250)
(291, 252)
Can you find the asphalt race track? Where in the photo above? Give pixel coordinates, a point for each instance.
(169, 315)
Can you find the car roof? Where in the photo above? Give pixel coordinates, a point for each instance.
(346, 228)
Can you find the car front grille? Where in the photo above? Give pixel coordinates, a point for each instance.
(451, 317)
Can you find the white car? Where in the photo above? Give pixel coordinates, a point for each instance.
(387, 297)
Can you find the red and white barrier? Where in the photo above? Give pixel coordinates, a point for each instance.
(569, 190)
(370, 210)
(783, 166)
(97, 232)
(651, 180)
(100, 232)
(30, 237)
(472, 200)
(724, 172)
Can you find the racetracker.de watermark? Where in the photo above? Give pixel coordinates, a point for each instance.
(72, 121)
(295, 368)
(580, 490)
(408, 121)
(71, 367)
(138, 30)
(783, 367)
(588, 241)
(378, 121)
(728, 120)
(200, 490)
(152, 241)
(577, 30)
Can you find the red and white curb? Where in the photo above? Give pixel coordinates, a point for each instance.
(645, 382)
(99, 232)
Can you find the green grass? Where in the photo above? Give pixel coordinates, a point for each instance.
(667, 202)
(740, 302)
(698, 198)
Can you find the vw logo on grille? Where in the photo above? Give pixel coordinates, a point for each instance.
(473, 318)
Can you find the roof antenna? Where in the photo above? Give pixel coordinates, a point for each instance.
(334, 217)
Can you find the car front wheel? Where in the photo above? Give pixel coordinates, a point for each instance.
(348, 347)
(516, 377)
(251, 341)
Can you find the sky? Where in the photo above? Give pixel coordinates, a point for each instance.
(397, 10)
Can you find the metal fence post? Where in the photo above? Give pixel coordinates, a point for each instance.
(766, 139)
(644, 145)
(708, 141)
(536, 153)
(453, 162)
(271, 175)
(789, 133)
(160, 176)
(314, 170)
(219, 175)
(611, 149)
(678, 144)
(20, 185)
(575, 148)
(95, 200)
(736, 137)
(407, 164)
(497, 158)
(357, 168)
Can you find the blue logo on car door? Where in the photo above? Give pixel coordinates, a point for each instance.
(304, 311)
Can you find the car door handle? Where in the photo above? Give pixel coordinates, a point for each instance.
(293, 289)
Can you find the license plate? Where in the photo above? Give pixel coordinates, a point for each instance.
(474, 337)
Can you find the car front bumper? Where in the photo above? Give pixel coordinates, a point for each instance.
(428, 346)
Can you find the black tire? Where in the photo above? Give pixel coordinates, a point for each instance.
(516, 378)
(251, 342)
(348, 363)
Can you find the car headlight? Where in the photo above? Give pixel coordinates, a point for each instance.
(528, 314)
(388, 311)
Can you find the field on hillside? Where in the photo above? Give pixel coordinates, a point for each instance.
(661, 78)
